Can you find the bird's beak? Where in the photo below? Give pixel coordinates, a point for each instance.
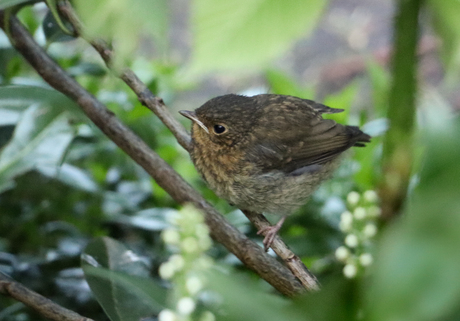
(192, 116)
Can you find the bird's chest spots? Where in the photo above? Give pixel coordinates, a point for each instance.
(218, 166)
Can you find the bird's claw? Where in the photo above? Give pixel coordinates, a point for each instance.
(270, 233)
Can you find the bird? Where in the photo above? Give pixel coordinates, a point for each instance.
(267, 153)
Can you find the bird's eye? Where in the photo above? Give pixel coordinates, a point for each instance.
(219, 129)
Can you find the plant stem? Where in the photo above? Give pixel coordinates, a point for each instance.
(398, 146)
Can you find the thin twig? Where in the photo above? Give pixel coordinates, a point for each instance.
(221, 231)
(292, 261)
(145, 96)
(35, 301)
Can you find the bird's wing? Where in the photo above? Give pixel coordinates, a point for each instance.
(299, 137)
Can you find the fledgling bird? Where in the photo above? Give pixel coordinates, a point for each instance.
(267, 153)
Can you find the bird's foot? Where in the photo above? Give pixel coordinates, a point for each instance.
(270, 232)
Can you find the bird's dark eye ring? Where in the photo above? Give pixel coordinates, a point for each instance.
(219, 129)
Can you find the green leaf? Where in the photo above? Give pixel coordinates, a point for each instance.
(416, 275)
(9, 117)
(70, 175)
(11, 63)
(87, 68)
(247, 34)
(41, 137)
(118, 279)
(151, 219)
(380, 81)
(10, 3)
(445, 15)
(43, 130)
(342, 100)
(243, 299)
(15, 99)
(337, 301)
(124, 21)
(125, 297)
(53, 29)
(282, 84)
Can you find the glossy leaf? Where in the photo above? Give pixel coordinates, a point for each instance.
(53, 29)
(119, 280)
(41, 137)
(43, 132)
(17, 98)
(70, 175)
(151, 219)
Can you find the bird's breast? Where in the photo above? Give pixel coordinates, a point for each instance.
(218, 166)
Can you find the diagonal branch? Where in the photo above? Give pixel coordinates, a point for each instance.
(247, 251)
(292, 261)
(40, 304)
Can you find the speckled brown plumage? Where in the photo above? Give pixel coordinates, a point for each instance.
(273, 152)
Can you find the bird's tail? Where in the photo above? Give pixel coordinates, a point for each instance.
(358, 136)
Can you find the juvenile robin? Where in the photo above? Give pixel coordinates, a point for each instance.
(267, 153)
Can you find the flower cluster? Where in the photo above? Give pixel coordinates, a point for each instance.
(189, 239)
(359, 225)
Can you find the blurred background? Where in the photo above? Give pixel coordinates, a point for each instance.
(64, 185)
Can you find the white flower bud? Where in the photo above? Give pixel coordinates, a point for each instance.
(190, 245)
(166, 270)
(374, 211)
(171, 236)
(371, 196)
(353, 198)
(201, 229)
(204, 262)
(167, 315)
(207, 316)
(204, 241)
(359, 213)
(366, 259)
(185, 306)
(350, 271)
(177, 262)
(370, 230)
(193, 284)
(193, 215)
(342, 253)
(351, 240)
(346, 221)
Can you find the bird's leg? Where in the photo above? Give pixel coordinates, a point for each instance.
(270, 232)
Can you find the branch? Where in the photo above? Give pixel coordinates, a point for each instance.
(157, 106)
(40, 304)
(221, 231)
(292, 261)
